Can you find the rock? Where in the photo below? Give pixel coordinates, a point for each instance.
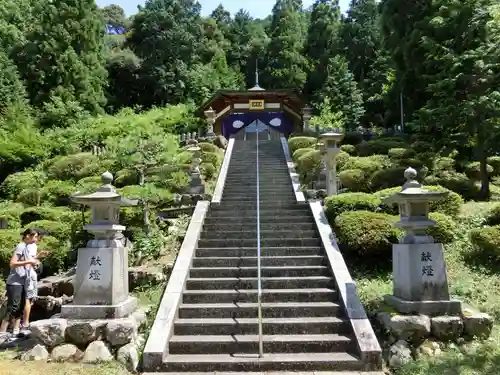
(384, 319)
(57, 286)
(410, 327)
(37, 353)
(399, 354)
(220, 141)
(47, 306)
(139, 341)
(477, 325)
(120, 332)
(50, 332)
(97, 351)
(429, 348)
(128, 356)
(66, 352)
(142, 275)
(140, 316)
(447, 328)
(81, 332)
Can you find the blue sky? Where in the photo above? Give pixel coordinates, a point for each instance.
(257, 8)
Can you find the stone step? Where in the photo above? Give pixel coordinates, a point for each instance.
(243, 226)
(252, 251)
(265, 242)
(285, 271)
(219, 344)
(249, 310)
(249, 203)
(264, 233)
(267, 282)
(250, 362)
(286, 207)
(252, 220)
(270, 326)
(316, 260)
(268, 295)
(226, 212)
(287, 193)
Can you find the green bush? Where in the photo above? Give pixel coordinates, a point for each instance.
(73, 167)
(352, 138)
(207, 170)
(386, 178)
(208, 147)
(301, 151)
(341, 159)
(155, 196)
(444, 164)
(493, 216)
(353, 180)
(337, 204)
(301, 142)
(57, 193)
(445, 230)
(494, 161)
(350, 149)
(457, 182)
(9, 239)
(450, 205)
(126, 177)
(212, 158)
(59, 214)
(485, 241)
(57, 229)
(421, 146)
(379, 146)
(184, 158)
(368, 164)
(366, 233)
(11, 213)
(401, 153)
(309, 166)
(472, 170)
(16, 182)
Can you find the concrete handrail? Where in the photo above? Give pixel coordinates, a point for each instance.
(294, 177)
(368, 345)
(157, 344)
(221, 179)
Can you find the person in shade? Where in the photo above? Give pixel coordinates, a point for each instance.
(21, 264)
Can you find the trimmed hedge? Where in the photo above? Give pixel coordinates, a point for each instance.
(366, 233)
(73, 167)
(208, 147)
(213, 158)
(473, 171)
(352, 138)
(338, 204)
(309, 166)
(301, 151)
(399, 153)
(11, 213)
(494, 161)
(350, 149)
(445, 230)
(58, 214)
(126, 177)
(387, 178)
(493, 215)
(16, 182)
(301, 142)
(485, 241)
(368, 164)
(379, 146)
(353, 180)
(207, 170)
(450, 205)
(57, 229)
(457, 182)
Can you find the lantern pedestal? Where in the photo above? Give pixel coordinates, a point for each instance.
(330, 149)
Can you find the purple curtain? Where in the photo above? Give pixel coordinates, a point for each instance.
(237, 121)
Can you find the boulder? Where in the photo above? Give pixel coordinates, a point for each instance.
(447, 328)
(81, 332)
(410, 327)
(478, 325)
(220, 141)
(142, 275)
(120, 332)
(97, 351)
(429, 348)
(128, 356)
(399, 354)
(50, 332)
(66, 352)
(37, 353)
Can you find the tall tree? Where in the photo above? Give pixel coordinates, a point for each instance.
(63, 57)
(166, 35)
(223, 19)
(285, 66)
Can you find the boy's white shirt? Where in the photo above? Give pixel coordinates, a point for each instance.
(33, 249)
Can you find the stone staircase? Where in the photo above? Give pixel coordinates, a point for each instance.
(304, 324)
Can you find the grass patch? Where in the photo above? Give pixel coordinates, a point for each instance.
(14, 367)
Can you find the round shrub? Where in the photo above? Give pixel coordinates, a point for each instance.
(353, 179)
(16, 182)
(57, 193)
(10, 214)
(445, 230)
(184, 157)
(301, 142)
(57, 229)
(494, 161)
(208, 147)
(337, 204)
(473, 170)
(379, 146)
(73, 167)
(350, 149)
(153, 195)
(368, 164)
(485, 241)
(366, 233)
(309, 166)
(352, 138)
(207, 170)
(421, 146)
(341, 159)
(126, 177)
(450, 205)
(301, 151)
(457, 182)
(386, 178)
(61, 214)
(9, 238)
(399, 153)
(444, 164)
(493, 215)
(212, 158)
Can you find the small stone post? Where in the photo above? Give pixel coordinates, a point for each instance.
(420, 284)
(196, 185)
(306, 116)
(210, 115)
(101, 280)
(330, 150)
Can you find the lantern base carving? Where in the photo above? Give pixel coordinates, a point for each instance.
(121, 310)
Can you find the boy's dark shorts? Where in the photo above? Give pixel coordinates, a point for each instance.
(16, 298)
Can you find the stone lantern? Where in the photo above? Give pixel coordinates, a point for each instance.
(210, 115)
(330, 148)
(306, 117)
(101, 280)
(420, 283)
(196, 185)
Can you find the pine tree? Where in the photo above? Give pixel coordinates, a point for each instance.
(63, 56)
(285, 66)
(12, 90)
